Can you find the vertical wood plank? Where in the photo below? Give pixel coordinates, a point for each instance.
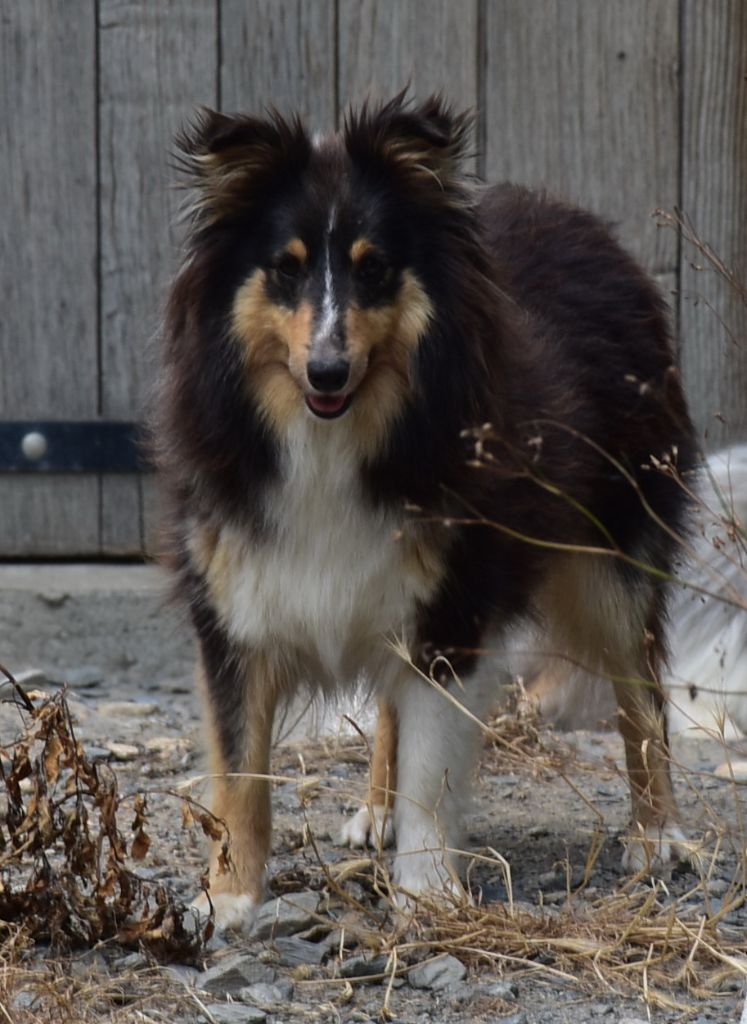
(713, 313)
(48, 339)
(279, 53)
(158, 62)
(582, 97)
(430, 44)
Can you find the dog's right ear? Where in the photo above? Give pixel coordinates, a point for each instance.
(231, 159)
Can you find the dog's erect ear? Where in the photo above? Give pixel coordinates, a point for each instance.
(417, 141)
(231, 159)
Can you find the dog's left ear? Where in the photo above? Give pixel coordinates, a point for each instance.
(417, 141)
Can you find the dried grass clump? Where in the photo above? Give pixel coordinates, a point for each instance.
(65, 874)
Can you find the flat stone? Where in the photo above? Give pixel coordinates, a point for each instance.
(718, 886)
(294, 951)
(506, 990)
(32, 679)
(24, 1000)
(133, 962)
(267, 996)
(233, 973)
(165, 747)
(128, 708)
(732, 769)
(94, 753)
(123, 751)
(235, 1013)
(363, 967)
(286, 915)
(84, 678)
(182, 973)
(437, 974)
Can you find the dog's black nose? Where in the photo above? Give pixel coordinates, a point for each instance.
(328, 374)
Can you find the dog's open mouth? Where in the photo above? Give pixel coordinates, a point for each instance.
(328, 407)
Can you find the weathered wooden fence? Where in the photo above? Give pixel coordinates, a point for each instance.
(624, 105)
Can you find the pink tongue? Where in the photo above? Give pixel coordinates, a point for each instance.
(326, 404)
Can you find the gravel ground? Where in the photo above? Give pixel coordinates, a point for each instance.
(298, 968)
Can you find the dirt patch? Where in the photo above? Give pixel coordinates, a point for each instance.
(555, 933)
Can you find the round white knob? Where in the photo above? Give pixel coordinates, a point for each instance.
(34, 445)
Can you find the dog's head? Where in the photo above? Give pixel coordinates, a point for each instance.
(325, 254)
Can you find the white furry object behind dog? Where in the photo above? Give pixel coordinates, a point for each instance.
(707, 682)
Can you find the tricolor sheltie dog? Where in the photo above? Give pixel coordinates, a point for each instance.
(400, 410)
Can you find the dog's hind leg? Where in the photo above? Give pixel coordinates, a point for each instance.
(655, 838)
(373, 825)
(240, 697)
(610, 622)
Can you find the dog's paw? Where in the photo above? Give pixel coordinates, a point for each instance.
(656, 849)
(371, 825)
(233, 912)
(428, 873)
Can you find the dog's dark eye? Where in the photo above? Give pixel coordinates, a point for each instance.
(288, 266)
(372, 270)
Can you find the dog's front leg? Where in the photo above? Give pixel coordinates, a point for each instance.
(439, 732)
(240, 697)
(372, 824)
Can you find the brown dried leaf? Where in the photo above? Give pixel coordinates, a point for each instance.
(211, 826)
(188, 819)
(53, 752)
(140, 845)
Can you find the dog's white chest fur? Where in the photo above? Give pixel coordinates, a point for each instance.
(334, 575)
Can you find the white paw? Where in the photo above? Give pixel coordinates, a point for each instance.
(372, 825)
(232, 912)
(426, 872)
(655, 850)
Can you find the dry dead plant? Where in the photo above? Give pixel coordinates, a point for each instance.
(68, 880)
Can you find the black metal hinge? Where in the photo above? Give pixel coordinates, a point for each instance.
(94, 446)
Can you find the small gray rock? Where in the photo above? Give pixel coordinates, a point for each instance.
(187, 976)
(363, 967)
(235, 1013)
(128, 708)
(233, 973)
(718, 886)
(515, 1018)
(437, 974)
(23, 1000)
(294, 951)
(506, 990)
(286, 915)
(133, 962)
(94, 753)
(32, 679)
(286, 796)
(267, 997)
(84, 678)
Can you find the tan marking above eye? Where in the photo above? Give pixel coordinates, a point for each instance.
(361, 247)
(296, 248)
